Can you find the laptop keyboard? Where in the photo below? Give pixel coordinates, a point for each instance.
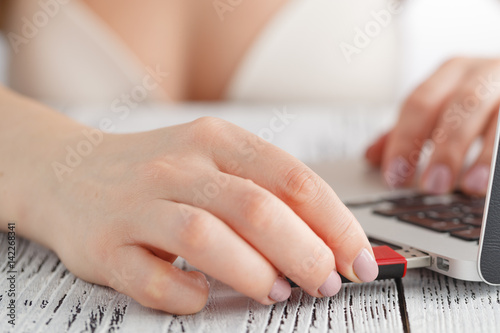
(457, 214)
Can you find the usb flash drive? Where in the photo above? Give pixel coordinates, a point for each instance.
(393, 264)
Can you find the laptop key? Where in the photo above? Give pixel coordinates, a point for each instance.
(472, 220)
(471, 234)
(475, 210)
(450, 214)
(469, 201)
(396, 210)
(436, 225)
(458, 214)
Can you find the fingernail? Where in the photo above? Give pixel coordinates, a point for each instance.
(365, 267)
(281, 290)
(477, 179)
(332, 285)
(438, 179)
(398, 170)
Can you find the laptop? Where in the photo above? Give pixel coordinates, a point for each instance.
(460, 233)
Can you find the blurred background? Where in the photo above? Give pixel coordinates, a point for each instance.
(299, 58)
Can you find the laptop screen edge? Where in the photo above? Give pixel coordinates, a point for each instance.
(489, 242)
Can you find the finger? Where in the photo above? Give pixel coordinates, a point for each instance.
(269, 225)
(241, 153)
(211, 246)
(164, 255)
(475, 180)
(155, 283)
(416, 122)
(375, 152)
(463, 120)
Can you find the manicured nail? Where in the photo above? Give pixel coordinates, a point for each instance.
(331, 286)
(281, 290)
(398, 170)
(365, 267)
(438, 179)
(477, 179)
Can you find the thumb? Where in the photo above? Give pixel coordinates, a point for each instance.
(156, 283)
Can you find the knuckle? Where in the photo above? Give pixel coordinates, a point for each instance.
(101, 247)
(342, 231)
(344, 234)
(203, 129)
(455, 62)
(311, 265)
(160, 291)
(452, 152)
(457, 143)
(103, 250)
(302, 186)
(208, 132)
(208, 122)
(312, 270)
(420, 103)
(154, 170)
(195, 232)
(468, 95)
(155, 291)
(258, 209)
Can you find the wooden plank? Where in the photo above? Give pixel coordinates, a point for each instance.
(52, 299)
(437, 303)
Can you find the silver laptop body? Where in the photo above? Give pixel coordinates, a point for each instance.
(357, 183)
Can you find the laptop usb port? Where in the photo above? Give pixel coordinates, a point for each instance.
(443, 264)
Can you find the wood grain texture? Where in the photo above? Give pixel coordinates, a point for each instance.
(437, 303)
(50, 299)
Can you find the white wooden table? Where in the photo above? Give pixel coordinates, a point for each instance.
(51, 299)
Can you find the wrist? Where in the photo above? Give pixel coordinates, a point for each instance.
(27, 179)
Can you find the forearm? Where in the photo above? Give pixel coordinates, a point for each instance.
(30, 134)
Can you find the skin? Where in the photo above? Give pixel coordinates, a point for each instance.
(199, 49)
(124, 214)
(452, 108)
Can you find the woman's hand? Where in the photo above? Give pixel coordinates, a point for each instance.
(451, 109)
(233, 205)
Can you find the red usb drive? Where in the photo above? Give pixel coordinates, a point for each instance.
(392, 264)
